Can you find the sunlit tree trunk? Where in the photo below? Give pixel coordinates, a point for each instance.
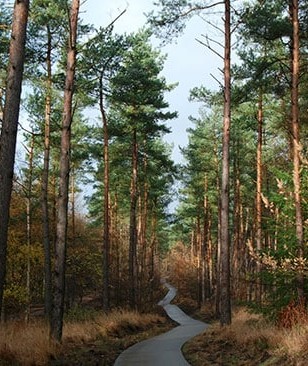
(45, 179)
(199, 252)
(236, 254)
(258, 234)
(73, 202)
(9, 126)
(106, 233)
(61, 230)
(116, 249)
(133, 223)
(153, 251)
(296, 143)
(29, 224)
(218, 247)
(225, 300)
(142, 231)
(205, 282)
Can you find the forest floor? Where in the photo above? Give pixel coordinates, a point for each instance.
(103, 351)
(89, 338)
(249, 341)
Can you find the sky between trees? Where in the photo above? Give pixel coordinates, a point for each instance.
(188, 62)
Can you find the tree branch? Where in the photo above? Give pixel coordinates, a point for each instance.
(212, 24)
(218, 82)
(212, 40)
(210, 48)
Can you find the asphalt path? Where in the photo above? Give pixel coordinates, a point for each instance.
(165, 349)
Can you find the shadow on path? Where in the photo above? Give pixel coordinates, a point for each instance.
(165, 349)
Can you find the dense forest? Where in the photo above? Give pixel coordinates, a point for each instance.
(90, 122)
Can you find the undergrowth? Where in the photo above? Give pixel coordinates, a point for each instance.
(252, 340)
(29, 344)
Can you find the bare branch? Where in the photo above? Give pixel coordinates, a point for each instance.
(218, 82)
(212, 24)
(28, 131)
(171, 20)
(210, 48)
(212, 40)
(116, 19)
(197, 8)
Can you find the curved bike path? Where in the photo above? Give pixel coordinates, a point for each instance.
(165, 349)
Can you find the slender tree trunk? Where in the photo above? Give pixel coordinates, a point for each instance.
(296, 143)
(61, 232)
(205, 283)
(133, 223)
(199, 257)
(45, 178)
(1, 107)
(259, 194)
(153, 250)
(116, 249)
(236, 255)
(29, 225)
(143, 229)
(73, 202)
(9, 126)
(225, 296)
(106, 234)
(218, 248)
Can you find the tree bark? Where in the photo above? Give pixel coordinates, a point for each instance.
(9, 126)
(225, 296)
(29, 225)
(61, 230)
(133, 223)
(45, 179)
(106, 233)
(296, 144)
(259, 194)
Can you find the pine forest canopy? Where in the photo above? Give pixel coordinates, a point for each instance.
(94, 116)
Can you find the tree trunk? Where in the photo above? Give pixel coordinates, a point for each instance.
(296, 144)
(205, 260)
(29, 225)
(61, 231)
(225, 300)
(236, 255)
(9, 126)
(106, 233)
(259, 194)
(142, 242)
(45, 178)
(133, 223)
(153, 251)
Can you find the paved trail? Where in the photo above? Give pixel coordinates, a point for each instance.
(165, 349)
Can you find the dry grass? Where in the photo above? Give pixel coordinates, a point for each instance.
(250, 340)
(116, 323)
(29, 344)
(25, 344)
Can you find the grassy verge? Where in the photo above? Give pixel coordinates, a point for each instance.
(95, 341)
(249, 341)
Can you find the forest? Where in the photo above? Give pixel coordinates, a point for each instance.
(87, 178)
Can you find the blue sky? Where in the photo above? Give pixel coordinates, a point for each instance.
(188, 63)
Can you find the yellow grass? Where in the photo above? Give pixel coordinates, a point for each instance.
(248, 327)
(251, 334)
(29, 344)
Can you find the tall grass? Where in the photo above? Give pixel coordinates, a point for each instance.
(26, 344)
(252, 339)
(284, 342)
(29, 344)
